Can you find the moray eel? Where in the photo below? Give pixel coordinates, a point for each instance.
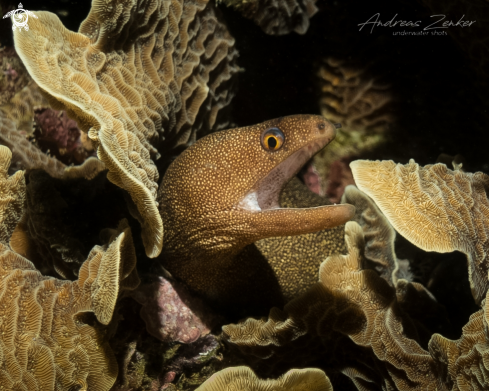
(221, 195)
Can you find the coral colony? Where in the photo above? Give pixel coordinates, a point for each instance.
(148, 242)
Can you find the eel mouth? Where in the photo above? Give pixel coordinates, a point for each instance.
(266, 192)
(263, 200)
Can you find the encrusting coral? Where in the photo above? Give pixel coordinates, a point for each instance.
(47, 342)
(277, 17)
(142, 79)
(354, 97)
(179, 366)
(45, 335)
(12, 196)
(419, 303)
(435, 208)
(222, 194)
(59, 135)
(171, 313)
(379, 237)
(243, 379)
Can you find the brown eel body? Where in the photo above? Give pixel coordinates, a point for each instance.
(233, 234)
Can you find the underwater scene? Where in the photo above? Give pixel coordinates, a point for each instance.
(244, 195)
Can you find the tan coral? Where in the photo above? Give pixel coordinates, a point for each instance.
(140, 78)
(47, 341)
(20, 109)
(277, 17)
(89, 169)
(379, 237)
(435, 208)
(243, 379)
(356, 303)
(12, 196)
(465, 361)
(419, 303)
(26, 155)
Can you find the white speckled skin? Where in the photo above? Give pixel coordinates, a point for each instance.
(208, 233)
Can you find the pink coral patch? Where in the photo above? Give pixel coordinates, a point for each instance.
(57, 133)
(171, 313)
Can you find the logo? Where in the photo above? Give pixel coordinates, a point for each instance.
(437, 26)
(20, 17)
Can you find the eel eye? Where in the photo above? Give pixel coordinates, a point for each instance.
(272, 139)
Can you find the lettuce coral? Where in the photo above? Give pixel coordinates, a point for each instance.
(141, 79)
(243, 378)
(435, 208)
(47, 342)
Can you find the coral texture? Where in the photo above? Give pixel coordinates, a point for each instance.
(379, 237)
(435, 208)
(359, 100)
(47, 341)
(464, 361)
(446, 201)
(12, 196)
(243, 379)
(180, 366)
(139, 78)
(20, 109)
(88, 170)
(419, 303)
(354, 302)
(277, 17)
(25, 155)
(352, 96)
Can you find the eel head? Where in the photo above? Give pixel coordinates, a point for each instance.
(224, 190)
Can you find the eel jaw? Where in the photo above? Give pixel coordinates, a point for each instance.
(270, 220)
